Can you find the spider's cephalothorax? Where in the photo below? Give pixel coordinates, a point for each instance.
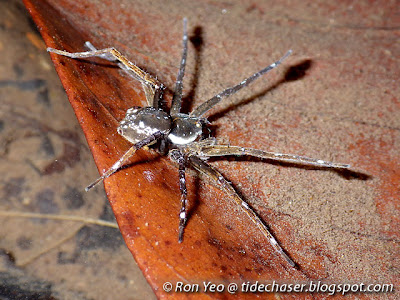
(182, 134)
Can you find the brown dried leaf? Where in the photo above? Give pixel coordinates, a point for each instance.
(220, 243)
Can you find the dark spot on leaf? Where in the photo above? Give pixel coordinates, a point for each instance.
(71, 154)
(92, 237)
(9, 257)
(64, 258)
(24, 242)
(257, 246)
(165, 186)
(198, 243)
(26, 85)
(229, 227)
(18, 70)
(215, 242)
(13, 187)
(70, 157)
(107, 213)
(21, 288)
(73, 198)
(42, 97)
(261, 261)
(54, 167)
(45, 202)
(47, 146)
(69, 135)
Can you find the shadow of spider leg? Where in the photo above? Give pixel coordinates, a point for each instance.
(217, 177)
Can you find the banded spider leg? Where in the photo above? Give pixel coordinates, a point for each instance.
(152, 88)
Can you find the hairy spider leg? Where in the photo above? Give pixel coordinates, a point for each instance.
(177, 99)
(152, 88)
(153, 98)
(180, 158)
(206, 106)
(125, 157)
(217, 177)
(176, 154)
(225, 150)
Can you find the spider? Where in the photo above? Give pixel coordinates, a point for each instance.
(182, 135)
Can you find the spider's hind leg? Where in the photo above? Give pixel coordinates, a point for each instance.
(217, 177)
(226, 150)
(177, 156)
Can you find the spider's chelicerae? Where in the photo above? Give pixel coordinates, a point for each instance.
(182, 135)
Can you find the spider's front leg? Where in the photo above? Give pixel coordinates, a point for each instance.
(177, 156)
(119, 163)
(152, 88)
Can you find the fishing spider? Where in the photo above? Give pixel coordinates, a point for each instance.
(182, 134)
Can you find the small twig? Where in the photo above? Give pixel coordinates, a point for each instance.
(85, 220)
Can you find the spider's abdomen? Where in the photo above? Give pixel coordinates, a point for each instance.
(140, 123)
(185, 129)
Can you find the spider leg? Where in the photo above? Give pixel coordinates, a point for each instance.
(213, 174)
(177, 99)
(125, 157)
(177, 156)
(106, 56)
(150, 85)
(225, 150)
(206, 106)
